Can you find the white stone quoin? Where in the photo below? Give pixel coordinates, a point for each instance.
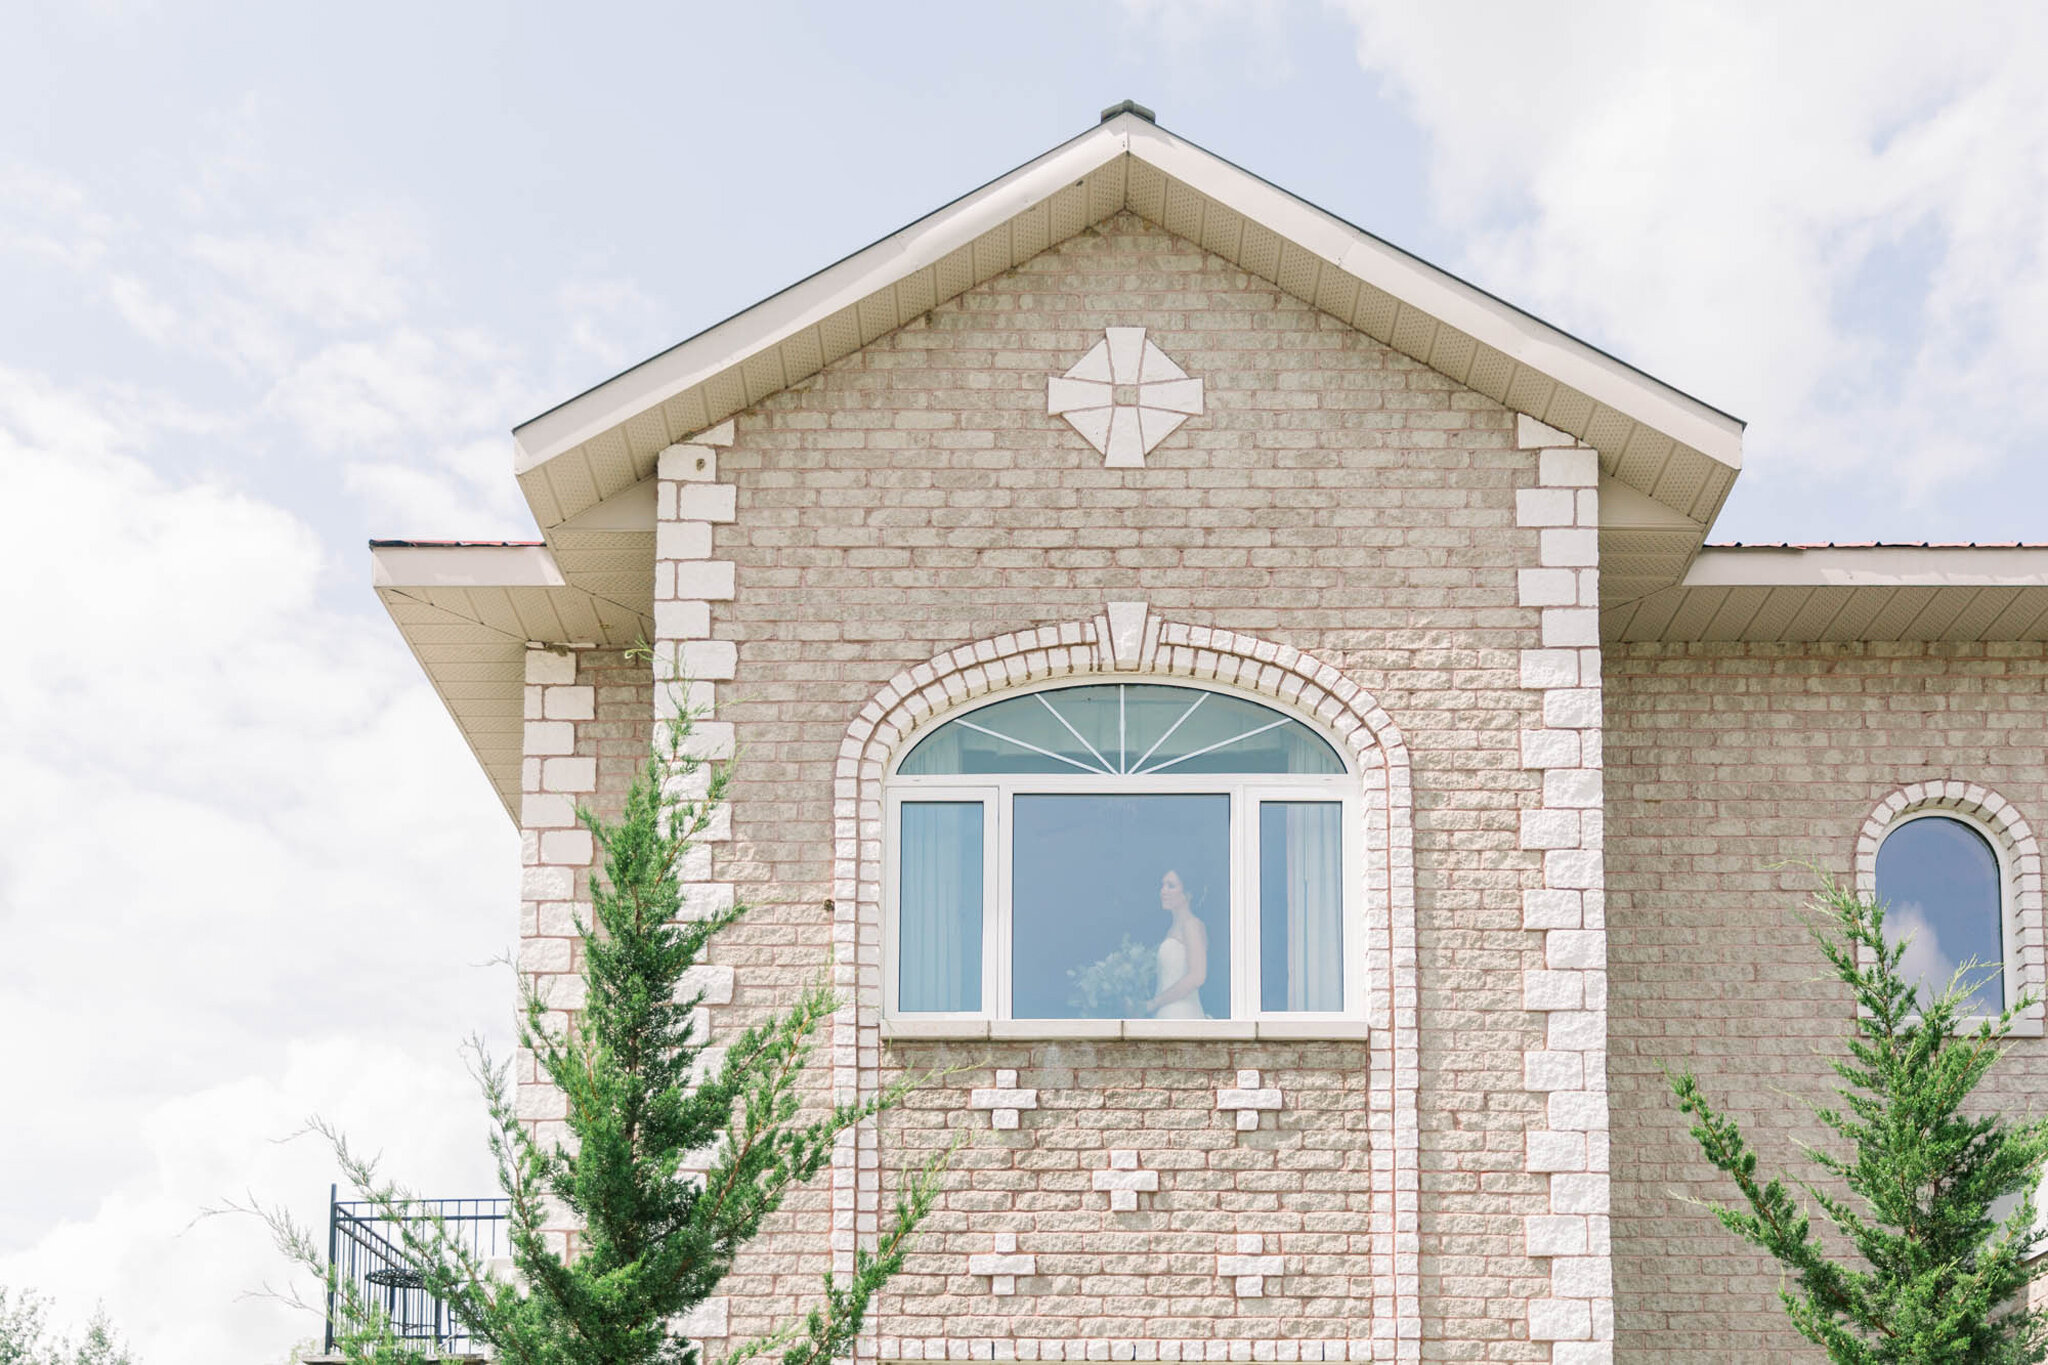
(1569, 1152)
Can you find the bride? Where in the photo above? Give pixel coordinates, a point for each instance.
(1183, 956)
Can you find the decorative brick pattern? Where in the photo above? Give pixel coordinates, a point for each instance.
(920, 697)
(1335, 498)
(1093, 1348)
(1003, 1265)
(1003, 1100)
(1569, 1072)
(1245, 1263)
(1247, 1099)
(1124, 1180)
(1125, 396)
(2025, 934)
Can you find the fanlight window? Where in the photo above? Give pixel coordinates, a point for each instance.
(1121, 851)
(1942, 887)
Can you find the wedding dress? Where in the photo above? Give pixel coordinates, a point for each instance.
(1173, 965)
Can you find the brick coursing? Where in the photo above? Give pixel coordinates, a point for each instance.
(1337, 498)
(1722, 760)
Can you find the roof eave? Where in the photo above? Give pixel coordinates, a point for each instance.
(788, 311)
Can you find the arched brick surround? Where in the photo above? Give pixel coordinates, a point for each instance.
(2000, 820)
(1160, 649)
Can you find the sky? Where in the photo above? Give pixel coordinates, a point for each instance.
(276, 279)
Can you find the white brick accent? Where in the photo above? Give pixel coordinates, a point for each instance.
(2019, 856)
(919, 697)
(554, 780)
(1003, 1100)
(1003, 1265)
(1125, 1180)
(1244, 1261)
(1568, 979)
(1246, 1099)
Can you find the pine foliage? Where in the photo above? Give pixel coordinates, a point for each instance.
(1935, 1277)
(676, 1154)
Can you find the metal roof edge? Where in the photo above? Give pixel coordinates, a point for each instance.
(1887, 566)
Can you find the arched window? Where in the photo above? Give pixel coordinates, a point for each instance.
(1114, 850)
(1943, 884)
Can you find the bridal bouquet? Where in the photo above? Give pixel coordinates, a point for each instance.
(1117, 986)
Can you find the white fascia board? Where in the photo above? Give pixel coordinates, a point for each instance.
(1878, 566)
(1415, 282)
(925, 242)
(464, 566)
(1447, 298)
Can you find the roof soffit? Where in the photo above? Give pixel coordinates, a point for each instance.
(1843, 594)
(470, 613)
(1652, 438)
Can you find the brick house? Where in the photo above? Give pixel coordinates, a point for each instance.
(1265, 709)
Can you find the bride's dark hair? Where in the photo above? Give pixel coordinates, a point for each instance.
(1197, 893)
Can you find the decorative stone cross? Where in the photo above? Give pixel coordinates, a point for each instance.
(1003, 1100)
(1125, 1181)
(1248, 1266)
(1003, 1265)
(1248, 1098)
(1125, 396)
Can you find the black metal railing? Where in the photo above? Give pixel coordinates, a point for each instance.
(366, 1250)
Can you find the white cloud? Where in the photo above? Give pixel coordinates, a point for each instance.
(1832, 219)
(341, 272)
(251, 873)
(185, 1288)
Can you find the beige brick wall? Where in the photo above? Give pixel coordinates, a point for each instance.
(1721, 760)
(1338, 498)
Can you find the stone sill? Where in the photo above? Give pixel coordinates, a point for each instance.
(1102, 1030)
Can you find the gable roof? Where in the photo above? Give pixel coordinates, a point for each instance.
(470, 612)
(1675, 450)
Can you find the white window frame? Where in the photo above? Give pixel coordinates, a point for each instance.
(998, 791)
(2009, 928)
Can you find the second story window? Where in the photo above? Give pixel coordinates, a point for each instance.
(1943, 887)
(1128, 851)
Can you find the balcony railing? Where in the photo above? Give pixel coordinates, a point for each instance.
(365, 1249)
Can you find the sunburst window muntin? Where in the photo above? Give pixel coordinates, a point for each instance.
(1122, 729)
(1038, 816)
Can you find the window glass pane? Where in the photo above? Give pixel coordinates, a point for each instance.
(1938, 881)
(1123, 728)
(1118, 901)
(1301, 905)
(938, 897)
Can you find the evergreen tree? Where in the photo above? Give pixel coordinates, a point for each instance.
(1936, 1276)
(675, 1157)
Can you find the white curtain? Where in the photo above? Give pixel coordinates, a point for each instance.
(1315, 905)
(938, 961)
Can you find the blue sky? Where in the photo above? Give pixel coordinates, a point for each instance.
(279, 280)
